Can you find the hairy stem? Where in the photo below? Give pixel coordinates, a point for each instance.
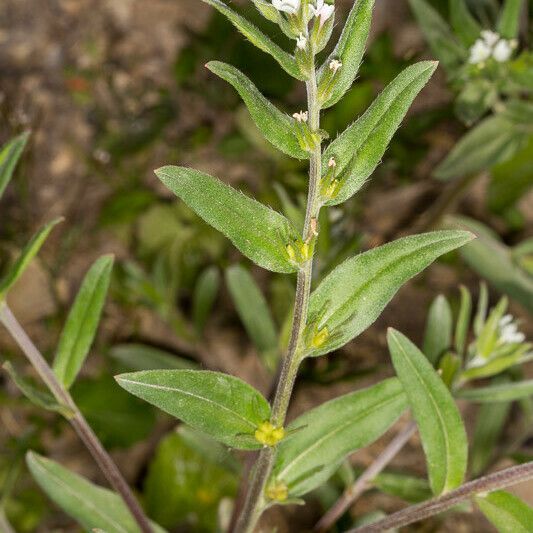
(364, 481)
(498, 480)
(255, 501)
(77, 420)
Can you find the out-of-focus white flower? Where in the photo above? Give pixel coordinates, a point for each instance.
(302, 116)
(322, 10)
(509, 333)
(287, 6)
(490, 37)
(479, 52)
(335, 65)
(502, 51)
(301, 42)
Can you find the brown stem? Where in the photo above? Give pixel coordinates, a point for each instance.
(77, 420)
(364, 481)
(498, 480)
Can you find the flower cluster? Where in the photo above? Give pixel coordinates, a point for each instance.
(490, 44)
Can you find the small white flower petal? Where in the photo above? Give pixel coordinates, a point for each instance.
(479, 52)
(502, 51)
(490, 37)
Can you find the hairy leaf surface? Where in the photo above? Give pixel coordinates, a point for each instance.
(508, 513)
(220, 405)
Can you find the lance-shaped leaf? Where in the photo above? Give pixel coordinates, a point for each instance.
(82, 321)
(360, 148)
(464, 24)
(492, 141)
(439, 421)
(25, 257)
(438, 335)
(9, 156)
(277, 127)
(440, 38)
(93, 507)
(324, 436)
(258, 38)
(220, 405)
(506, 512)
(204, 296)
(353, 295)
(463, 321)
(509, 22)
(505, 392)
(259, 232)
(349, 50)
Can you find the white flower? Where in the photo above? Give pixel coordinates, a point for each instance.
(509, 333)
(302, 116)
(502, 51)
(335, 65)
(490, 37)
(287, 6)
(322, 10)
(480, 52)
(301, 42)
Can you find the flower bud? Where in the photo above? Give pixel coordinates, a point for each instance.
(277, 491)
(328, 79)
(269, 435)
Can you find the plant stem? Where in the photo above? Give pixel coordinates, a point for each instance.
(365, 479)
(77, 420)
(498, 480)
(255, 502)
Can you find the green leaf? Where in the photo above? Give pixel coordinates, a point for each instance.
(259, 39)
(408, 488)
(184, 485)
(82, 321)
(204, 296)
(355, 293)
(490, 422)
(325, 435)
(93, 507)
(493, 261)
(439, 421)
(278, 128)
(349, 50)
(509, 22)
(25, 257)
(463, 320)
(119, 419)
(465, 26)
(134, 356)
(253, 311)
(9, 155)
(260, 233)
(440, 38)
(506, 512)
(506, 392)
(222, 406)
(492, 141)
(38, 397)
(438, 336)
(360, 148)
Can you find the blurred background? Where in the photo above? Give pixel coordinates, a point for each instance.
(111, 90)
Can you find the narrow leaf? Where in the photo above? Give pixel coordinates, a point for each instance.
(353, 295)
(278, 128)
(506, 512)
(509, 22)
(258, 38)
(134, 356)
(360, 148)
(9, 155)
(349, 50)
(463, 320)
(204, 296)
(440, 38)
(220, 405)
(25, 257)
(465, 26)
(438, 336)
(93, 507)
(439, 421)
(256, 230)
(82, 321)
(506, 392)
(324, 436)
(253, 311)
(492, 141)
